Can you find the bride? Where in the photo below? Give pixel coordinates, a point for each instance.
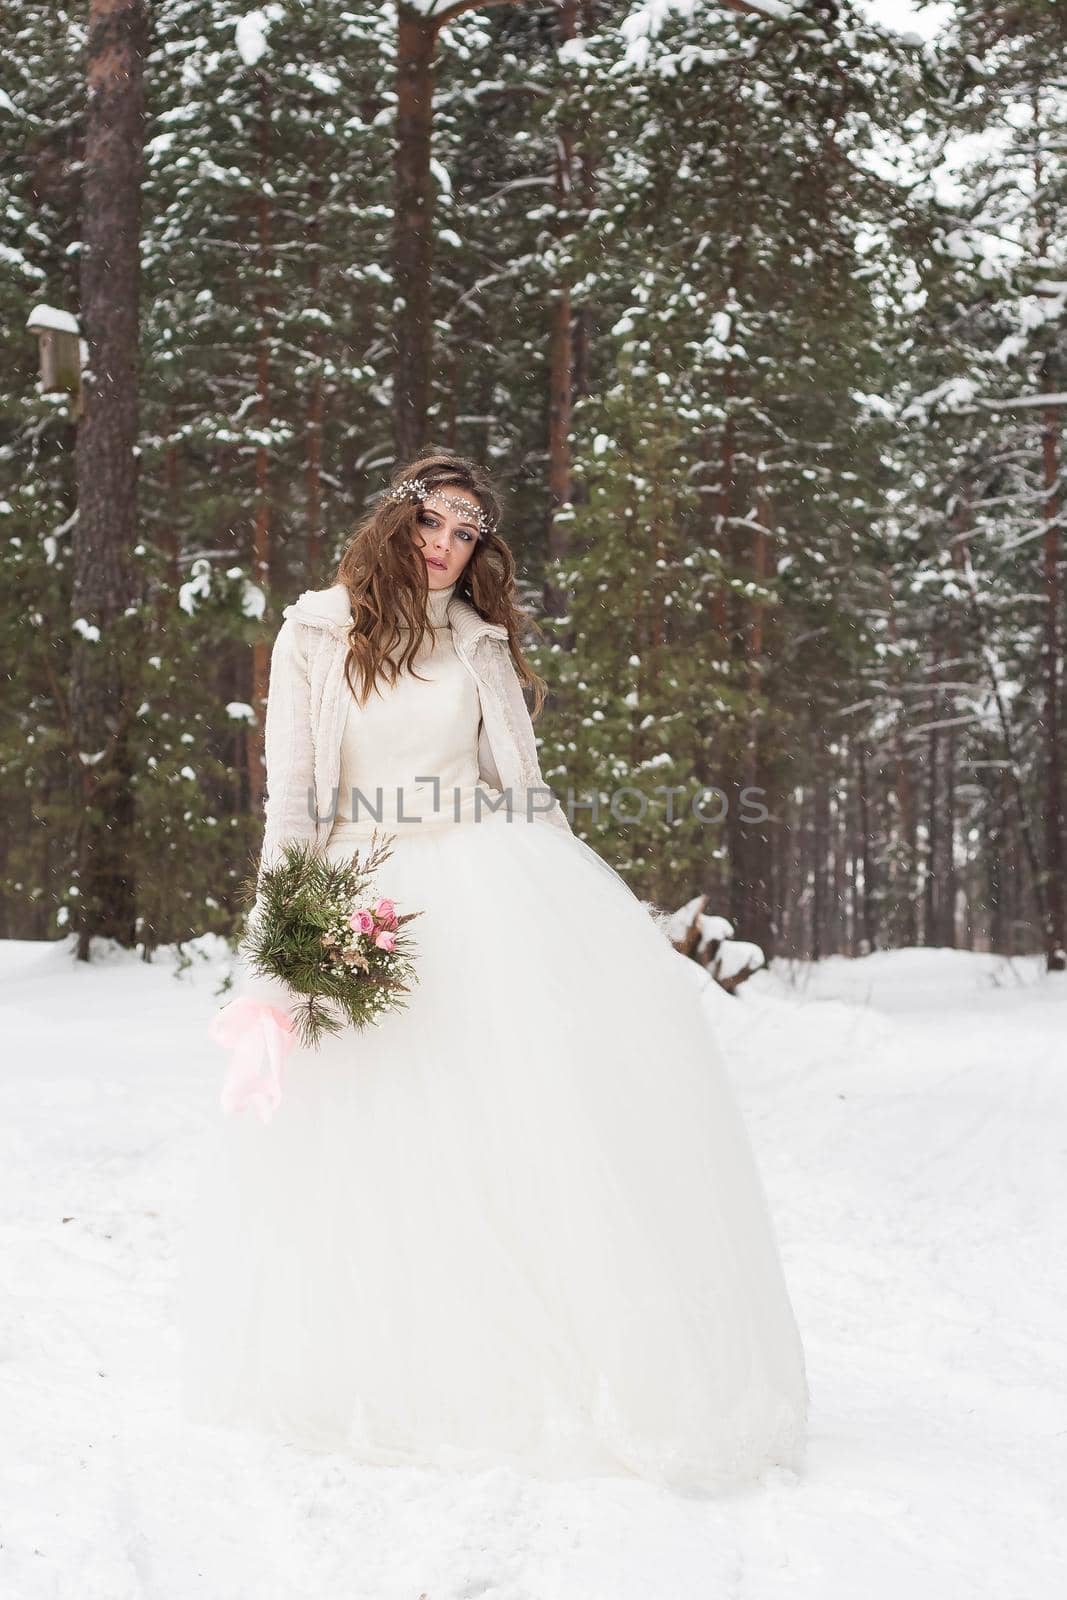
(519, 1221)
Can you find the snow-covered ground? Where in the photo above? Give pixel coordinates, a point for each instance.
(908, 1115)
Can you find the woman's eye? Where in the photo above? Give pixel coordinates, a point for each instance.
(430, 522)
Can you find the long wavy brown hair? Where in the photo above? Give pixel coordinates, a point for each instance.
(385, 574)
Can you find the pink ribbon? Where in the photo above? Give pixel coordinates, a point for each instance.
(258, 1037)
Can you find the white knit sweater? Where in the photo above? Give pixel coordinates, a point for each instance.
(308, 701)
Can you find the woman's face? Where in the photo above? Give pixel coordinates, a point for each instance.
(446, 535)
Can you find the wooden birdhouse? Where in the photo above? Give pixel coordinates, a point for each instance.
(62, 352)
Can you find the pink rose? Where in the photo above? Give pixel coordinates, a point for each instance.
(361, 922)
(385, 911)
(385, 939)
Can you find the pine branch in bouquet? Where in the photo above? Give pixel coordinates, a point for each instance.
(322, 930)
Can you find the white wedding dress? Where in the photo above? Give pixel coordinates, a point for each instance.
(518, 1222)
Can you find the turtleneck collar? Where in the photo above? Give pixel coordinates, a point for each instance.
(437, 606)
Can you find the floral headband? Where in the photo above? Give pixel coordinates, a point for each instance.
(418, 489)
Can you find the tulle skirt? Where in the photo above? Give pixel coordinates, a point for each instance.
(518, 1222)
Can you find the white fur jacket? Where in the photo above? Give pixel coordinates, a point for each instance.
(307, 700)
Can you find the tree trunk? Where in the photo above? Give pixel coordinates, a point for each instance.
(104, 666)
(931, 884)
(868, 915)
(949, 876)
(1054, 895)
(788, 850)
(904, 868)
(413, 210)
(261, 524)
(995, 850)
(413, 232)
(838, 913)
(820, 843)
(315, 407)
(760, 862)
(803, 901)
(561, 352)
(760, 834)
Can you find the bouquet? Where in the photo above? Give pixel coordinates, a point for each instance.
(320, 929)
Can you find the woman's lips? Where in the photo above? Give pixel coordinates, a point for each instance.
(438, 564)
